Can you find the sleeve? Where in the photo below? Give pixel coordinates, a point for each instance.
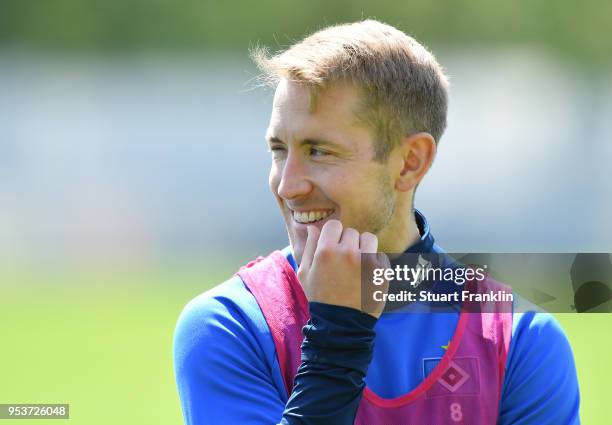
(220, 368)
(336, 352)
(540, 386)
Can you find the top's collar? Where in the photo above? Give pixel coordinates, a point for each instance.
(426, 242)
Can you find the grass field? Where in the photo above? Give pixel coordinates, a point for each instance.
(102, 343)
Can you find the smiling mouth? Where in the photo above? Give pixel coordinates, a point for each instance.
(306, 217)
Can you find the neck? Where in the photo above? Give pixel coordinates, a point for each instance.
(401, 234)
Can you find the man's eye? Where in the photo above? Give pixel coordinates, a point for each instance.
(318, 152)
(277, 152)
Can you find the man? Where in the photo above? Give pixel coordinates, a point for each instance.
(357, 115)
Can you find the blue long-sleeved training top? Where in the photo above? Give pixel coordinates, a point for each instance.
(227, 371)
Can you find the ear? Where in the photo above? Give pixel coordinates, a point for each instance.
(417, 153)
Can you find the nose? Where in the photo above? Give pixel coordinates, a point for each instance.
(294, 181)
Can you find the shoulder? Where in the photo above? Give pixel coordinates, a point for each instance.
(532, 324)
(224, 313)
(538, 336)
(540, 377)
(220, 333)
(223, 355)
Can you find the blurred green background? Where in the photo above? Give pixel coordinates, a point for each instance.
(133, 173)
(576, 29)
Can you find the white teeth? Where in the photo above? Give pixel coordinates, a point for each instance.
(310, 217)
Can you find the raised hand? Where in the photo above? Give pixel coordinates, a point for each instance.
(330, 271)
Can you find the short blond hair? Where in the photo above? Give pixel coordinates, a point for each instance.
(404, 89)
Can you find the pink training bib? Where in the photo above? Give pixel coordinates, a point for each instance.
(464, 388)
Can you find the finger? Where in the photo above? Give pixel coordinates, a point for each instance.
(368, 243)
(350, 238)
(310, 247)
(330, 234)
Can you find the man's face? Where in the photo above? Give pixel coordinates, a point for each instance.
(322, 164)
